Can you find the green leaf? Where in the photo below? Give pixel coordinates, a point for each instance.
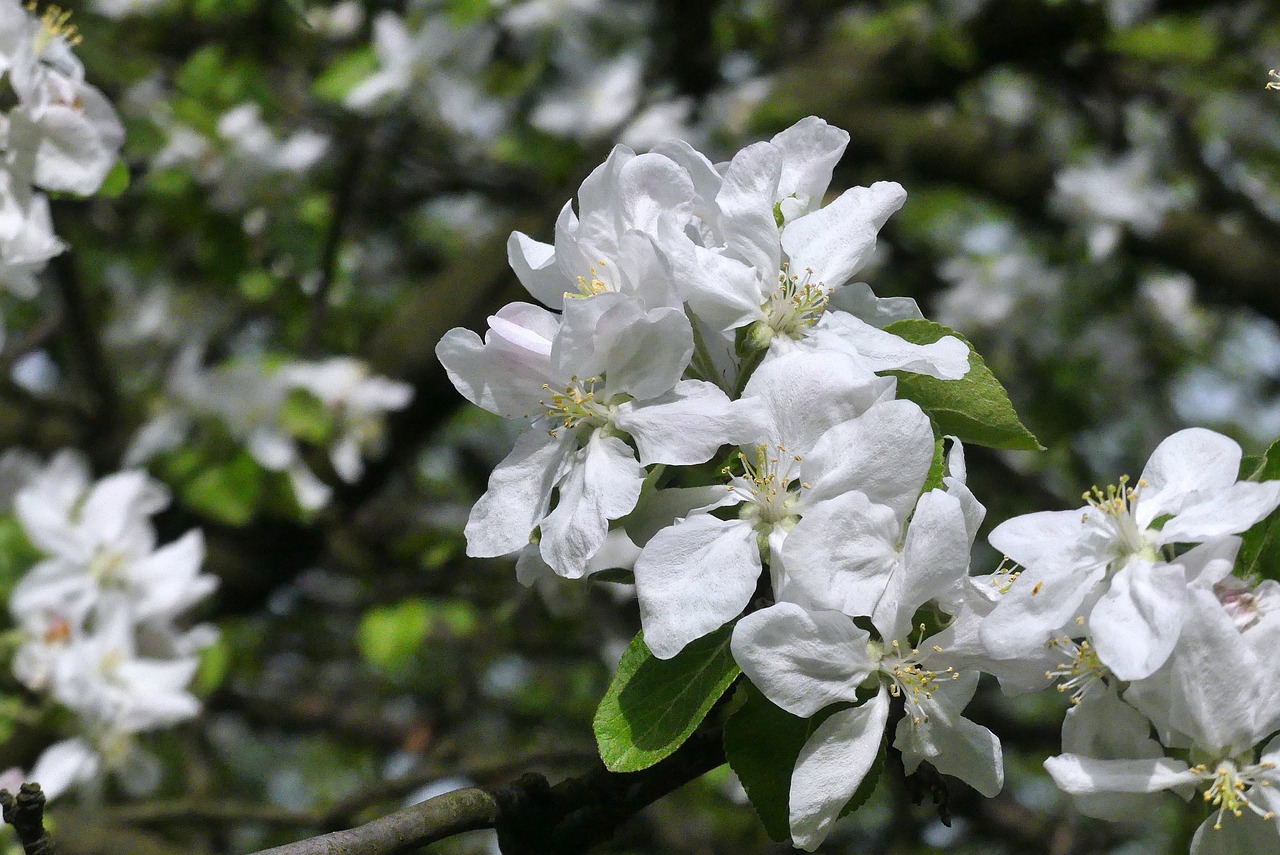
(337, 81)
(116, 182)
(305, 416)
(1179, 39)
(975, 408)
(762, 743)
(214, 663)
(390, 636)
(654, 705)
(937, 469)
(230, 493)
(1260, 550)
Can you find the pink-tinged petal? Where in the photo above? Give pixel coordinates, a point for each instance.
(802, 660)
(681, 428)
(885, 453)
(843, 554)
(831, 767)
(694, 577)
(836, 241)
(506, 373)
(519, 494)
(602, 484)
(1082, 775)
(1137, 621)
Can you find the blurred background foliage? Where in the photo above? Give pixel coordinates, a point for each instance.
(1094, 202)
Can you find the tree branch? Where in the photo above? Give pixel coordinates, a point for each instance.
(25, 813)
(531, 816)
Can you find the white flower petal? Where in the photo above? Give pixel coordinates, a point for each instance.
(692, 578)
(836, 240)
(1079, 775)
(1137, 621)
(602, 484)
(683, 427)
(831, 767)
(963, 750)
(519, 494)
(885, 453)
(842, 555)
(802, 660)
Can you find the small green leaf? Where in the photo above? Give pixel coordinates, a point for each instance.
(1260, 551)
(214, 662)
(389, 636)
(230, 493)
(975, 408)
(304, 416)
(937, 469)
(337, 81)
(654, 705)
(116, 182)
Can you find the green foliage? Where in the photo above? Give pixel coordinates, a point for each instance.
(390, 636)
(937, 469)
(215, 660)
(1260, 551)
(345, 74)
(17, 555)
(116, 182)
(230, 492)
(975, 408)
(1171, 38)
(304, 416)
(654, 705)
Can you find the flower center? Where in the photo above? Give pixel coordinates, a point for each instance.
(795, 305)
(766, 484)
(107, 566)
(577, 404)
(54, 23)
(912, 681)
(593, 286)
(1116, 506)
(1229, 786)
(1081, 669)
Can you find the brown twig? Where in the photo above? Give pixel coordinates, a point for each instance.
(25, 812)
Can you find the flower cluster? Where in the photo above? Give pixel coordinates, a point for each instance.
(694, 307)
(1132, 604)
(100, 616)
(61, 134)
(272, 407)
(712, 405)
